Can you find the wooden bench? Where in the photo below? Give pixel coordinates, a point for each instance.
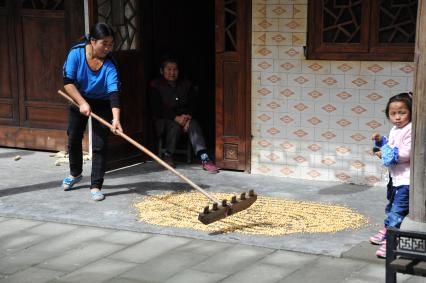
(405, 253)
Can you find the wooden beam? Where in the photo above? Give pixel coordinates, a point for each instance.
(418, 150)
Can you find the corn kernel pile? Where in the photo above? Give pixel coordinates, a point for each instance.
(270, 216)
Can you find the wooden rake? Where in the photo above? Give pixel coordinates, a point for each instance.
(219, 209)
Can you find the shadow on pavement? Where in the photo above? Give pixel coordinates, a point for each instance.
(343, 189)
(138, 187)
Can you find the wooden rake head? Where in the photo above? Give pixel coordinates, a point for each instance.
(225, 209)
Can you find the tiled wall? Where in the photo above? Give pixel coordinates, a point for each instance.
(314, 119)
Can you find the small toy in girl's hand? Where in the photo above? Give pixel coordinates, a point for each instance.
(376, 149)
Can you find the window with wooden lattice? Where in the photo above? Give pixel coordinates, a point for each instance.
(123, 17)
(379, 30)
(43, 4)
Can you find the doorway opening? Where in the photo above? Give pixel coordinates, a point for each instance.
(186, 31)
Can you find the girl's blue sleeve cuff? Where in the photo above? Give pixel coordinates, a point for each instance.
(382, 142)
(389, 155)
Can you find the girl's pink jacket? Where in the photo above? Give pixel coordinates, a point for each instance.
(401, 138)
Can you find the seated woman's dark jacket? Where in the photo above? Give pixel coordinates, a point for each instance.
(167, 101)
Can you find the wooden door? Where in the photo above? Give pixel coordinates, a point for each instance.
(36, 36)
(233, 25)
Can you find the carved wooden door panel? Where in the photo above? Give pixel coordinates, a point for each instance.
(42, 48)
(35, 36)
(233, 23)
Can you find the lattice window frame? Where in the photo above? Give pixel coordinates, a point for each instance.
(127, 36)
(44, 4)
(367, 48)
(231, 25)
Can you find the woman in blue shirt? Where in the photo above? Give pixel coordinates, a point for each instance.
(91, 79)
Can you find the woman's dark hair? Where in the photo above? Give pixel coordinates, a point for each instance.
(405, 97)
(100, 31)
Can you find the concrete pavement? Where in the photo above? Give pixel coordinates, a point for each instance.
(41, 251)
(48, 235)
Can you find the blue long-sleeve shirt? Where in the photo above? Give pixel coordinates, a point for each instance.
(100, 84)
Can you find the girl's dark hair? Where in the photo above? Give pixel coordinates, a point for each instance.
(100, 31)
(405, 97)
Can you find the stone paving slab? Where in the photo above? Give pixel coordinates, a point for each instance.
(149, 248)
(259, 272)
(326, 269)
(32, 275)
(121, 280)
(76, 258)
(12, 226)
(24, 259)
(52, 229)
(190, 275)
(207, 248)
(125, 237)
(13, 243)
(233, 259)
(161, 268)
(98, 271)
(67, 241)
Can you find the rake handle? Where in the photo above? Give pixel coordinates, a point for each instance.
(143, 149)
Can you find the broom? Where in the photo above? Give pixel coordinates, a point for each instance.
(219, 210)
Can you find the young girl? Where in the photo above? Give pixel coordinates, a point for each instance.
(91, 79)
(395, 154)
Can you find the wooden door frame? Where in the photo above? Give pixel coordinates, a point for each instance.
(248, 90)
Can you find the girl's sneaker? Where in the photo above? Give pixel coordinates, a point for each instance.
(381, 252)
(379, 237)
(70, 181)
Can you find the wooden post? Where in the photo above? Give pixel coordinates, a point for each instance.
(418, 149)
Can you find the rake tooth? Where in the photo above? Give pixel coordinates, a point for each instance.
(251, 193)
(215, 206)
(206, 210)
(243, 196)
(224, 203)
(233, 199)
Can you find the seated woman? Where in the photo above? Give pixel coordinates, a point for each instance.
(173, 105)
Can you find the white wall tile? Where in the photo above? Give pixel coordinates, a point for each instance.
(403, 69)
(330, 81)
(315, 67)
(287, 66)
(373, 68)
(302, 80)
(288, 92)
(290, 52)
(345, 67)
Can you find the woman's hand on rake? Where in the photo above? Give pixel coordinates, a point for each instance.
(116, 127)
(85, 109)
